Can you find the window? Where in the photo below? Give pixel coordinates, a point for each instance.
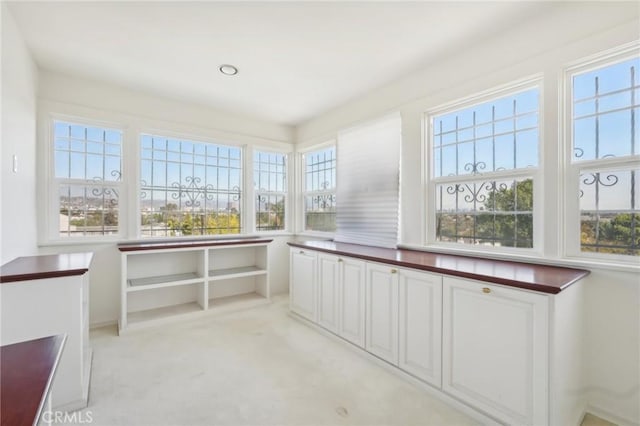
(605, 148)
(270, 183)
(87, 179)
(189, 187)
(484, 166)
(319, 194)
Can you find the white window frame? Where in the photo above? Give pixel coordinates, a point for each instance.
(572, 170)
(51, 212)
(286, 193)
(245, 162)
(536, 174)
(302, 193)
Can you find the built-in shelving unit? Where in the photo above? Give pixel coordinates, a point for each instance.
(164, 280)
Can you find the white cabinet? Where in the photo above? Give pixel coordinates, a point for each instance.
(164, 280)
(511, 354)
(341, 296)
(328, 291)
(351, 300)
(382, 312)
(50, 296)
(420, 324)
(495, 350)
(302, 276)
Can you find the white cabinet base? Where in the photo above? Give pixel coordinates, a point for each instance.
(507, 354)
(420, 325)
(495, 352)
(45, 307)
(381, 327)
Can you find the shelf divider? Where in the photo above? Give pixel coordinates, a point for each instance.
(243, 271)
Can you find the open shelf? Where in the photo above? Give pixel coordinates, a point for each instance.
(156, 315)
(147, 283)
(162, 281)
(243, 271)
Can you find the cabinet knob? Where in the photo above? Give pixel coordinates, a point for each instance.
(394, 271)
(301, 252)
(339, 260)
(486, 290)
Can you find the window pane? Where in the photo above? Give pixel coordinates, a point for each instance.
(270, 212)
(320, 170)
(494, 213)
(269, 178)
(320, 190)
(320, 213)
(180, 195)
(609, 213)
(494, 135)
(79, 152)
(88, 211)
(605, 105)
(265, 172)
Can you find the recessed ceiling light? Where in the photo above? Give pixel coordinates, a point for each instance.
(227, 69)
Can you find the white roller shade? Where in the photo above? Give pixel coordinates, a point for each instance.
(368, 183)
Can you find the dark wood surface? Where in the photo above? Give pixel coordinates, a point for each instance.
(46, 266)
(160, 245)
(543, 278)
(27, 373)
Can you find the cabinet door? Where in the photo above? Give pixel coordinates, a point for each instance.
(420, 325)
(328, 281)
(302, 287)
(382, 312)
(495, 349)
(352, 300)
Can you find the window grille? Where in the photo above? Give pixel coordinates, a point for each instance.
(605, 147)
(484, 159)
(270, 182)
(497, 213)
(189, 187)
(319, 195)
(87, 171)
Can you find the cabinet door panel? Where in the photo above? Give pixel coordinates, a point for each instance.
(302, 291)
(352, 300)
(495, 349)
(328, 280)
(382, 312)
(421, 325)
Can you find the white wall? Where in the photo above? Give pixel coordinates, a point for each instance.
(19, 83)
(544, 46)
(81, 92)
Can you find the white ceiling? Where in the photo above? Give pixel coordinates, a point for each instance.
(296, 59)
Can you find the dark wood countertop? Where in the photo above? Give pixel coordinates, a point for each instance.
(542, 278)
(160, 245)
(27, 373)
(46, 266)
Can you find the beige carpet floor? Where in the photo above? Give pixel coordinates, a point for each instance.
(252, 367)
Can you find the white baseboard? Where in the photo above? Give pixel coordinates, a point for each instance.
(102, 324)
(609, 416)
